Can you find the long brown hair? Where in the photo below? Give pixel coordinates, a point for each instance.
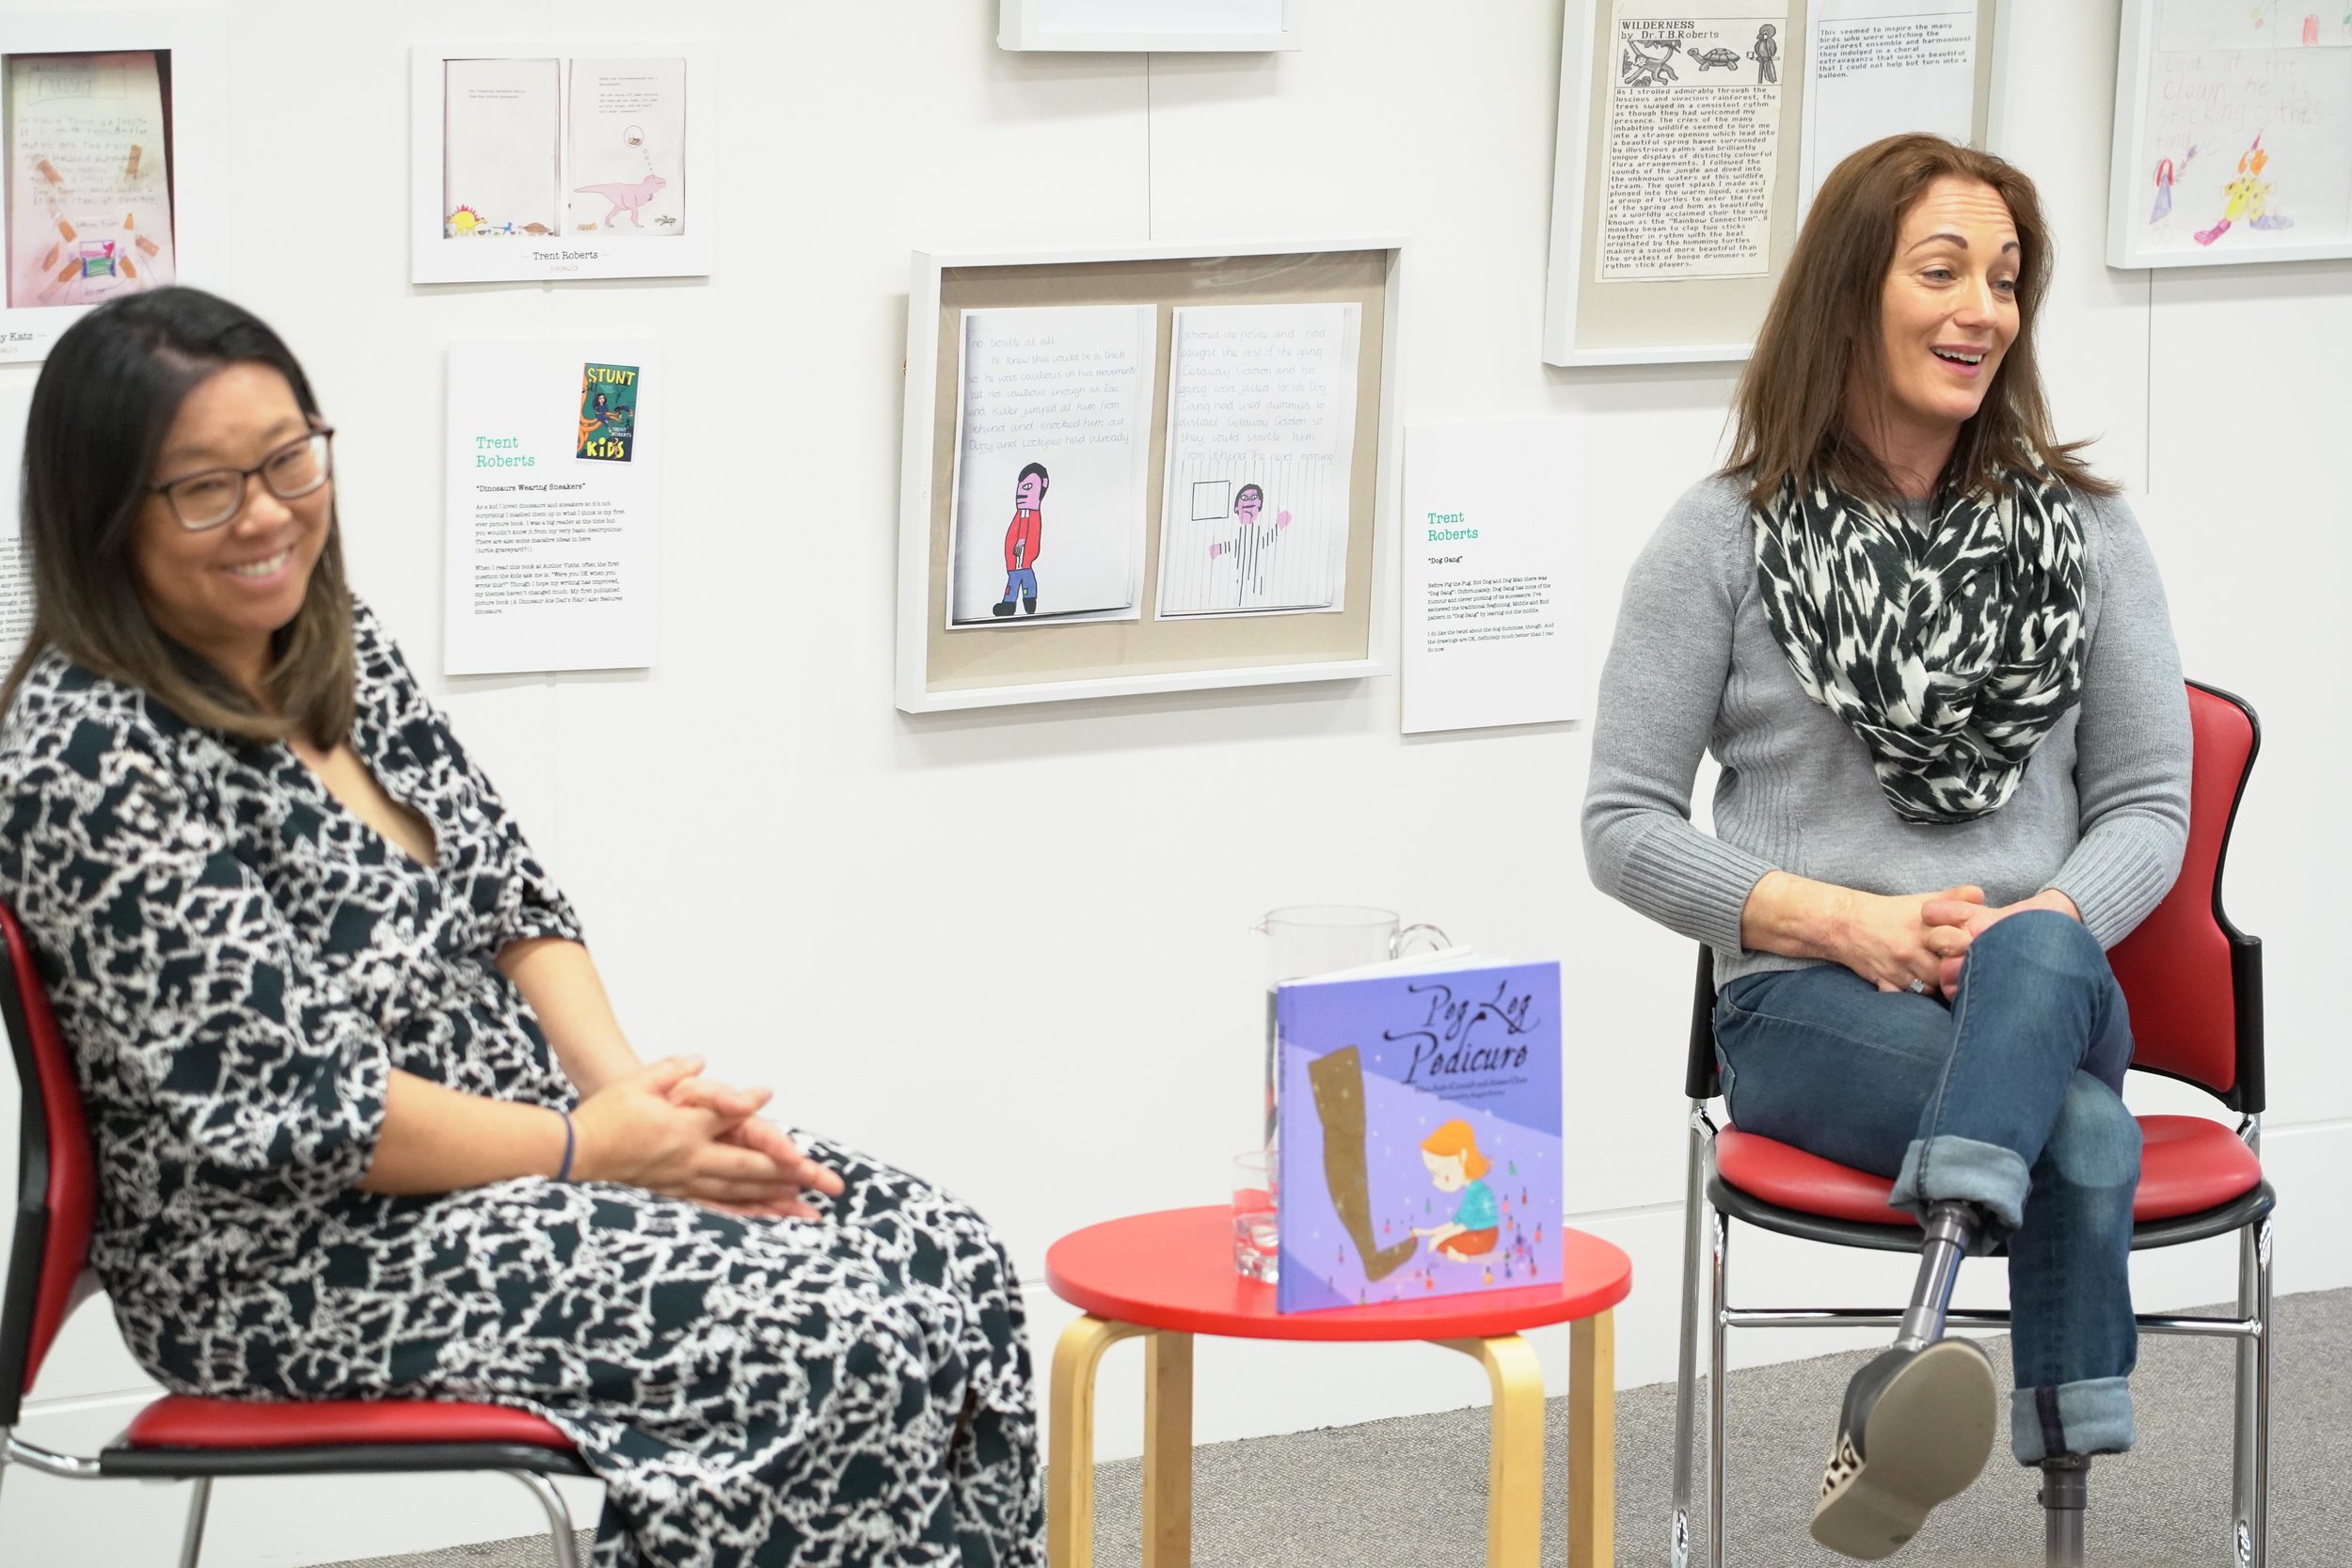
(101, 413)
(1822, 338)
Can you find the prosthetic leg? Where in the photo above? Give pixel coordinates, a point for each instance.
(1919, 1420)
(2065, 1491)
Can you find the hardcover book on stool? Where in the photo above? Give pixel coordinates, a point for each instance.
(1419, 1131)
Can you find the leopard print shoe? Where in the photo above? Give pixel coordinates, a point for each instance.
(1916, 1428)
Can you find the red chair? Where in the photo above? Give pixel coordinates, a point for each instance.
(178, 1439)
(2194, 984)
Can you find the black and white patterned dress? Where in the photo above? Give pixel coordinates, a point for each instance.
(239, 961)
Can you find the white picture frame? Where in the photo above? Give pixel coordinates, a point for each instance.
(2145, 228)
(1165, 26)
(1564, 342)
(435, 257)
(918, 482)
(197, 39)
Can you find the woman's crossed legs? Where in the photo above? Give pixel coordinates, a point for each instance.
(2008, 1099)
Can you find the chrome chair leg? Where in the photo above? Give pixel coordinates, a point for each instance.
(1686, 1366)
(199, 1503)
(1717, 1377)
(558, 1517)
(2244, 1492)
(2258, 1513)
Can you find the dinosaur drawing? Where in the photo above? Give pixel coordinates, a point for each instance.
(628, 199)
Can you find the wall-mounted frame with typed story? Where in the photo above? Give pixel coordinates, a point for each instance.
(1690, 144)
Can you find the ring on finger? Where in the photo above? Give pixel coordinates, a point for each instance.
(1918, 988)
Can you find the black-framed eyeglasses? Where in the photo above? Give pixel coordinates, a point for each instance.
(210, 498)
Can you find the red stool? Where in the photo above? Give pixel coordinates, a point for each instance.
(1170, 1276)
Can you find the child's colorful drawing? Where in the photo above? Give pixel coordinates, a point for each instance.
(1025, 540)
(626, 146)
(2248, 197)
(608, 413)
(90, 207)
(1249, 544)
(1419, 1135)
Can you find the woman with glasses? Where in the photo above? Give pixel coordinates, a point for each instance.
(366, 1125)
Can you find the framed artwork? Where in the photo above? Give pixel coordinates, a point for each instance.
(1691, 146)
(2233, 134)
(1154, 468)
(115, 128)
(544, 161)
(1149, 26)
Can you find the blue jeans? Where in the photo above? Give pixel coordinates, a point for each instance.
(1021, 581)
(2008, 1098)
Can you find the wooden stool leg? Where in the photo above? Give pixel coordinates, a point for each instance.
(1514, 1461)
(1167, 1450)
(1593, 1442)
(1069, 1465)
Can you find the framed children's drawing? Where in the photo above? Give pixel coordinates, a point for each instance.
(117, 133)
(1149, 26)
(1691, 146)
(1154, 468)
(537, 162)
(2233, 134)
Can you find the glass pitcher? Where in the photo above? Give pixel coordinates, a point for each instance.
(1317, 939)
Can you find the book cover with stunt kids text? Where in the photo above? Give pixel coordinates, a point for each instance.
(608, 413)
(1419, 1137)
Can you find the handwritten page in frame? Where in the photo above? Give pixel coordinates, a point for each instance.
(627, 148)
(1053, 465)
(1261, 441)
(499, 175)
(89, 179)
(2247, 144)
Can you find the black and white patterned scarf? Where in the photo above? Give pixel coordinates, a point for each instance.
(1950, 648)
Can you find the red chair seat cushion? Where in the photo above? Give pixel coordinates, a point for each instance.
(178, 1421)
(2188, 1165)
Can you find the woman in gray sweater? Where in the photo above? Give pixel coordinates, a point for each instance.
(1929, 650)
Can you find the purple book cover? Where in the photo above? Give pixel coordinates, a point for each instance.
(1419, 1135)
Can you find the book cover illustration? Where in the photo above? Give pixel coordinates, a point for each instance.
(608, 413)
(1419, 1135)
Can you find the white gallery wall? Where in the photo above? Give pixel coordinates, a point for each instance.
(1011, 949)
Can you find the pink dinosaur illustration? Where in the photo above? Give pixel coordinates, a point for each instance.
(626, 199)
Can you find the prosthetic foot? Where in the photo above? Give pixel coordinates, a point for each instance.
(1338, 1082)
(2065, 1491)
(1919, 1421)
(1917, 1427)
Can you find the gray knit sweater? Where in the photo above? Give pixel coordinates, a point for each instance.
(2101, 815)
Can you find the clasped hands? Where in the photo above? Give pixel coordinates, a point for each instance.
(668, 1129)
(1926, 935)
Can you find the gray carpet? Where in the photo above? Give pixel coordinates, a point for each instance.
(1413, 1490)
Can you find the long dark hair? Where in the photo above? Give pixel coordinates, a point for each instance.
(1821, 335)
(100, 412)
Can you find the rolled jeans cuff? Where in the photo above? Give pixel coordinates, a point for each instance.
(2091, 1417)
(1945, 1169)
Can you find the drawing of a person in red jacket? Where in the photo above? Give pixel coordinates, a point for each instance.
(1025, 540)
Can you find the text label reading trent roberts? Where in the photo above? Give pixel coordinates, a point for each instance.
(1444, 526)
(497, 452)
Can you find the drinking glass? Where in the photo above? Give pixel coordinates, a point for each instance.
(1256, 1227)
